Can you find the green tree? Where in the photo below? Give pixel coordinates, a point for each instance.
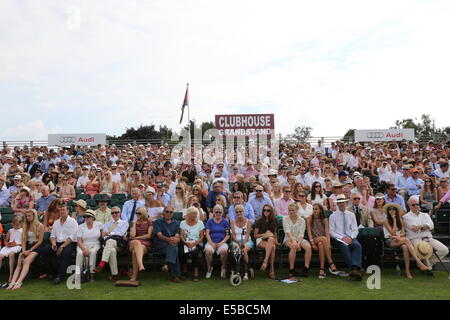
(349, 136)
(301, 133)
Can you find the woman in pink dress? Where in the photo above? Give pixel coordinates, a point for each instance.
(93, 185)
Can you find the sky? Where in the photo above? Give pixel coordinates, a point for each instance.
(101, 66)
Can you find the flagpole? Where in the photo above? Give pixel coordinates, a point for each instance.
(189, 119)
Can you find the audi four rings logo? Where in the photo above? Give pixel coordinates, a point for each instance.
(67, 139)
(375, 134)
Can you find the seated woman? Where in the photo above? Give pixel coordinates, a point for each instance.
(88, 240)
(266, 237)
(80, 211)
(154, 207)
(377, 212)
(194, 202)
(217, 234)
(294, 230)
(222, 201)
(394, 232)
(319, 236)
(107, 185)
(66, 191)
(192, 233)
(241, 228)
(140, 244)
(23, 201)
(51, 215)
(13, 245)
(92, 185)
(32, 238)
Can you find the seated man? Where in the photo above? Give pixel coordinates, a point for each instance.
(63, 240)
(344, 230)
(166, 236)
(362, 215)
(114, 234)
(418, 226)
(238, 197)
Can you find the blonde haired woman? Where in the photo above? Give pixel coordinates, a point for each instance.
(276, 192)
(140, 243)
(179, 199)
(241, 228)
(107, 185)
(124, 185)
(294, 228)
(32, 238)
(135, 179)
(192, 233)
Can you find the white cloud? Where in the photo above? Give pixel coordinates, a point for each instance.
(332, 65)
(35, 130)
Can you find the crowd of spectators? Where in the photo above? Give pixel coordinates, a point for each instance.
(360, 183)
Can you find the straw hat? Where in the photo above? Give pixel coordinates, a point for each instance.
(386, 208)
(81, 203)
(89, 213)
(424, 250)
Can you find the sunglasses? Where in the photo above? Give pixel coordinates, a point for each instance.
(302, 196)
(168, 211)
(415, 205)
(236, 197)
(356, 198)
(267, 210)
(287, 191)
(240, 211)
(258, 190)
(218, 212)
(115, 212)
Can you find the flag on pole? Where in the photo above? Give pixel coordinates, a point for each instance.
(185, 102)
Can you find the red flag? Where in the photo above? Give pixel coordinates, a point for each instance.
(185, 102)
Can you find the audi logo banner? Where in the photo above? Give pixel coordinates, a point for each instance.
(84, 139)
(384, 135)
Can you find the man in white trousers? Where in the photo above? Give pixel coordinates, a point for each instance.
(418, 226)
(114, 233)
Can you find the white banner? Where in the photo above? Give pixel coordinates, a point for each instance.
(384, 135)
(83, 139)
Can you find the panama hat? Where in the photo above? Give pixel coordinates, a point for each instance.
(90, 213)
(424, 250)
(386, 208)
(337, 184)
(150, 190)
(81, 203)
(102, 198)
(341, 198)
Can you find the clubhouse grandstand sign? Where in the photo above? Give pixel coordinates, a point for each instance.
(384, 135)
(250, 125)
(85, 139)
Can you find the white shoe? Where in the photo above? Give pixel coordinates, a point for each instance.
(245, 277)
(209, 273)
(223, 273)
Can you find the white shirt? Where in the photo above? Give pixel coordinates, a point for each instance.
(337, 229)
(411, 219)
(67, 230)
(116, 177)
(82, 180)
(120, 230)
(305, 212)
(90, 236)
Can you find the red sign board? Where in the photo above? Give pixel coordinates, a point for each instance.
(245, 124)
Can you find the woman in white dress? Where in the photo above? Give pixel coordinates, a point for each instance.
(317, 195)
(294, 229)
(13, 245)
(88, 240)
(179, 200)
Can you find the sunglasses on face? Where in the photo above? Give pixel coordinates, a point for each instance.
(258, 190)
(236, 197)
(240, 211)
(356, 198)
(168, 211)
(267, 210)
(115, 212)
(218, 212)
(415, 205)
(287, 191)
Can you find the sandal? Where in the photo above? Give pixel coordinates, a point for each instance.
(322, 273)
(11, 285)
(165, 268)
(333, 271)
(17, 286)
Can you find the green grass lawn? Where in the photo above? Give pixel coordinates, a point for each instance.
(155, 285)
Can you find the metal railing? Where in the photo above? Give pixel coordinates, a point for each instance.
(326, 141)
